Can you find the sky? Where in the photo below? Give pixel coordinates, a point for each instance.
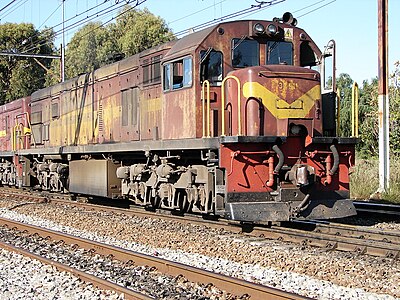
(353, 24)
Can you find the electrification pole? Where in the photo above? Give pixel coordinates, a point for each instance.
(63, 46)
(383, 97)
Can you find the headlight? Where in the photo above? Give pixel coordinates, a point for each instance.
(259, 28)
(272, 29)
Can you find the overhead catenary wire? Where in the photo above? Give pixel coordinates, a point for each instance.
(105, 12)
(232, 15)
(102, 13)
(44, 22)
(7, 5)
(326, 4)
(59, 32)
(12, 8)
(196, 12)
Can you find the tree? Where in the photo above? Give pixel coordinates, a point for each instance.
(20, 76)
(88, 49)
(368, 118)
(134, 31)
(394, 107)
(138, 30)
(344, 84)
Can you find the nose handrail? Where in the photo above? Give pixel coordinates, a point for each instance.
(223, 105)
(206, 85)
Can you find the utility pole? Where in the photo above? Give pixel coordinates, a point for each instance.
(63, 45)
(383, 98)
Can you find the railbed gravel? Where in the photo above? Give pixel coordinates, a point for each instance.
(25, 278)
(308, 271)
(143, 279)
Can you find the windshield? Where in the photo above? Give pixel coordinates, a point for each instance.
(279, 53)
(245, 53)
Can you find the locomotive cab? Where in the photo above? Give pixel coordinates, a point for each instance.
(279, 141)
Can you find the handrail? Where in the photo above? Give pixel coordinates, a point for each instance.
(338, 97)
(223, 105)
(24, 131)
(206, 83)
(354, 110)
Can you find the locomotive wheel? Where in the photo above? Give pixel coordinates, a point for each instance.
(153, 201)
(182, 200)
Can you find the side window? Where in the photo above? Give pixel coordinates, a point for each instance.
(146, 71)
(177, 73)
(36, 117)
(211, 66)
(167, 77)
(156, 68)
(279, 53)
(129, 102)
(181, 73)
(245, 53)
(307, 55)
(55, 112)
(187, 72)
(152, 70)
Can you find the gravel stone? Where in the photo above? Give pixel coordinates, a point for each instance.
(312, 272)
(25, 278)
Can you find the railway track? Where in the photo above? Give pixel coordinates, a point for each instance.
(389, 210)
(96, 281)
(332, 236)
(244, 289)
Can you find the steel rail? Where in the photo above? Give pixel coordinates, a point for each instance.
(329, 239)
(229, 284)
(377, 208)
(334, 242)
(338, 229)
(96, 281)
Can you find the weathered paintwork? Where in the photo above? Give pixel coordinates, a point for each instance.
(13, 120)
(168, 144)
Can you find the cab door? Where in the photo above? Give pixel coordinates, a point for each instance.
(328, 89)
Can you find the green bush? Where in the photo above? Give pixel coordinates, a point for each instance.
(364, 180)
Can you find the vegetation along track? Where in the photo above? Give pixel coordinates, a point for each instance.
(244, 289)
(332, 236)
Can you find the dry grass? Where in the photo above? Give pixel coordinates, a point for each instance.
(364, 181)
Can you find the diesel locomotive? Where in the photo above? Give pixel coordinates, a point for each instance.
(236, 120)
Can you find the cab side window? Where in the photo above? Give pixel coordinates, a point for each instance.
(307, 55)
(178, 74)
(211, 66)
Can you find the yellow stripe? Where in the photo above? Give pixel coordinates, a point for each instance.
(279, 107)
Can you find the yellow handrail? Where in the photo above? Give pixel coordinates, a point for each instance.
(23, 131)
(338, 113)
(206, 83)
(223, 105)
(354, 110)
(14, 138)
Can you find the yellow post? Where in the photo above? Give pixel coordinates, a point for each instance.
(354, 110)
(338, 113)
(223, 105)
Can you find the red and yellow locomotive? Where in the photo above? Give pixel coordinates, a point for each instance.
(229, 120)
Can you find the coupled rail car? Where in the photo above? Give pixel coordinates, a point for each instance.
(233, 120)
